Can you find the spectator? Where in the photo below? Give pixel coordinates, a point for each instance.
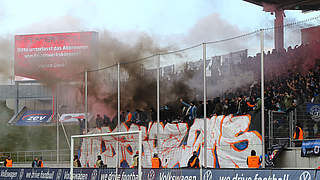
(123, 117)
(8, 162)
(76, 161)
(226, 107)
(218, 110)
(250, 103)
(82, 125)
(35, 162)
(128, 116)
(153, 114)
(241, 105)
(40, 162)
(155, 161)
(190, 112)
(298, 135)
(99, 121)
(106, 120)
(200, 111)
(136, 160)
(99, 163)
(253, 161)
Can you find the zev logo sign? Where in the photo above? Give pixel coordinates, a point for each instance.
(34, 118)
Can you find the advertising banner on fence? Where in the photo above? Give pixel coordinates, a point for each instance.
(67, 118)
(56, 55)
(34, 118)
(310, 147)
(155, 174)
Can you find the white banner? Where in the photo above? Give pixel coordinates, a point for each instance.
(71, 117)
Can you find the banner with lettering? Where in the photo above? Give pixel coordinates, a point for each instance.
(157, 174)
(34, 118)
(310, 147)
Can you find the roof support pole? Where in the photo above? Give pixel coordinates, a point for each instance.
(278, 31)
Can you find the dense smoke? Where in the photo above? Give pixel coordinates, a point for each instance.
(138, 79)
(5, 59)
(138, 90)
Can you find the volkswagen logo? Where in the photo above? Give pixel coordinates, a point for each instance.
(21, 174)
(207, 175)
(94, 174)
(59, 174)
(305, 176)
(151, 174)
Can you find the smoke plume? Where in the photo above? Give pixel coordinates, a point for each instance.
(5, 59)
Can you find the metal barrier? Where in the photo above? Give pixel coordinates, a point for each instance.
(28, 156)
(310, 124)
(280, 127)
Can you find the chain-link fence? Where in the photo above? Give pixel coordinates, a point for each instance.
(233, 90)
(102, 97)
(206, 98)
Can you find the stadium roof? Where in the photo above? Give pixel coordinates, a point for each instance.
(304, 5)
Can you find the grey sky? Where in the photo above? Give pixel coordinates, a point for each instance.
(165, 20)
(153, 16)
(180, 23)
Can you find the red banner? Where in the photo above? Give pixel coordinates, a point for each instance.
(57, 55)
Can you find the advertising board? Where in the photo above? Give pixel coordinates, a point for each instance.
(56, 55)
(34, 118)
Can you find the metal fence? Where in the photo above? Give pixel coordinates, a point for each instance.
(223, 72)
(29, 156)
(281, 125)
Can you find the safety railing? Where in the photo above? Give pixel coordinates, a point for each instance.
(29, 156)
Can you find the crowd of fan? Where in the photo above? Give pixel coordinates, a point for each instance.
(287, 85)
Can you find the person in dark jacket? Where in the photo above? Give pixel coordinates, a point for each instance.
(190, 112)
(35, 163)
(136, 160)
(194, 161)
(99, 163)
(218, 109)
(76, 161)
(40, 163)
(99, 121)
(153, 115)
(106, 120)
(82, 125)
(241, 105)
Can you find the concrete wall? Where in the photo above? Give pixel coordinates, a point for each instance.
(291, 158)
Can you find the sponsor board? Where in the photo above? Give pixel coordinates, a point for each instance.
(66, 118)
(155, 174)
(39, 56)
(34, 118)
(310, 147)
